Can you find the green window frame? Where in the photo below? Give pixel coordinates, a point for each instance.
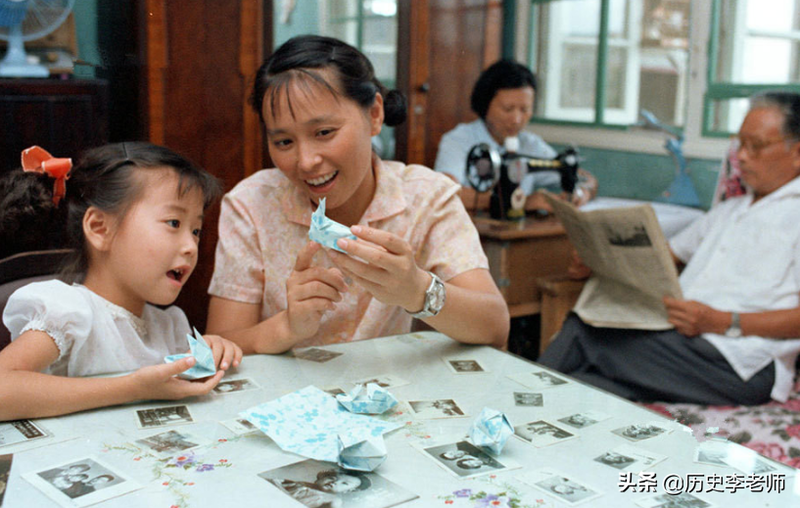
(602, 59)
(720, 90)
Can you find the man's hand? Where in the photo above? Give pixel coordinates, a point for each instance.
(691, 318)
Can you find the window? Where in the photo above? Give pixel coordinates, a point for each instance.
(755, 45)
(371, 26)
(691, 64)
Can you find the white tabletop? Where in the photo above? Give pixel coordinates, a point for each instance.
(225, 471)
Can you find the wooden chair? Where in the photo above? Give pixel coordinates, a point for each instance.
(559, 294)
(24, 268)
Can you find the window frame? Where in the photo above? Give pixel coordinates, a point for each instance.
(624, 137)
(721, 90)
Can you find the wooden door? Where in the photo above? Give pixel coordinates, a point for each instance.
(200, 56)
(443, 45)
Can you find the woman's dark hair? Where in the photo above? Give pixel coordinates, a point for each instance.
(29, 220)
(504, 74)
(789, 105)
(104, 179)
(300, 58)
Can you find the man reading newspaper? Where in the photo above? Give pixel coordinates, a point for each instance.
(736, 326)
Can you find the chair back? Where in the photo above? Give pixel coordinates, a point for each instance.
(24, 268)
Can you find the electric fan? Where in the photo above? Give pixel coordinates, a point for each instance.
(27, 20)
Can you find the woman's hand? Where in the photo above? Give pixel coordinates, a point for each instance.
(691, 318)
(311, 291)
(385, 267)
(160, 382)
(226, 353)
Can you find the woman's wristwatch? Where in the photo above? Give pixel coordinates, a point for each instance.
(434, 299)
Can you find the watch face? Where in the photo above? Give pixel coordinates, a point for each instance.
(436, 300)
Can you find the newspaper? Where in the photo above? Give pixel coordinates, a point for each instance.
(632, 268)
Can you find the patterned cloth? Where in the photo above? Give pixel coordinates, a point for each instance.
(264, 224)
(772, 429)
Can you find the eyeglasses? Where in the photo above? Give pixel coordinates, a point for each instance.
(755, 146)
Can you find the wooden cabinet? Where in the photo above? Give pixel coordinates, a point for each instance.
(64, 117)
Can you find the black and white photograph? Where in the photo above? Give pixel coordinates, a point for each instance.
(464, 366)
(629, 458)
(235, 385)
(681, 500)
(240, 426)
(530, 399)
(384, 381)
(81, 482)
(20, 431)
(559, 486)
(170, 442)
(629, 235)
(5, 472)
(463, 459)
(538, 380)
(333, 390)
(639, 432)
(315, 354)
(712, 452)
(583, 419)
(163, 416)
(433, 409)
(322, 485)
(542, 433)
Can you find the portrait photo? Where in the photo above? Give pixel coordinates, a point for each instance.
(542, 433)
(81, 482)
(322, 485)
(463, 459)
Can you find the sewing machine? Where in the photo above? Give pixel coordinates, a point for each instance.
(488, 169)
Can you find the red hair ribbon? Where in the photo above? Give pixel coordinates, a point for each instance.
(39, 160)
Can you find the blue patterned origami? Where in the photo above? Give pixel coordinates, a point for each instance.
(491, 429)
(365, 455)
(326, 231)
(371, 399)
(309, 422)
(204, 366)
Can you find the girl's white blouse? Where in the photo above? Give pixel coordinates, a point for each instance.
(93, 335)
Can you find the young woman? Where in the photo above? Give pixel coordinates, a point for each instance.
(417, 253)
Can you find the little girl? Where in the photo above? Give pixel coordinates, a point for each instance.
(134, 214)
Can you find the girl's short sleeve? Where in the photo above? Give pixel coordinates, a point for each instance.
(53, 307)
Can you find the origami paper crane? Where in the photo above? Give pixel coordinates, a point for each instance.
(326, 231)
(491, 429)
(204, 366)
(365, 455)
(309, 422)
(370, 399)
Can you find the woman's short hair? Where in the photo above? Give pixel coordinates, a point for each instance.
(504, 74)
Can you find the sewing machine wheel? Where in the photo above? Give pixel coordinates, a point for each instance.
(483, 167)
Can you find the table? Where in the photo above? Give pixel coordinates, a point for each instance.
(225, 471)
(519, 253)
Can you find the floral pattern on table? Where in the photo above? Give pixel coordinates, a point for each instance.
(772, 429)
(495, 494)
(174, 473)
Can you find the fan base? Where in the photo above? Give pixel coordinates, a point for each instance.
(23, 71)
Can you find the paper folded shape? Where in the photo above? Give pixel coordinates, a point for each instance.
(371, 399)
(309, 422)
(204, 366)
(491, 429)
(326, 231)
(365, 455)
